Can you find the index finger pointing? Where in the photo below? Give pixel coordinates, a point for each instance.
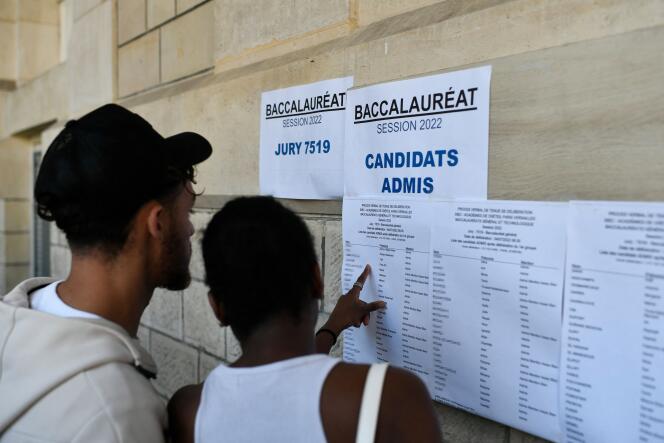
(363, 276)
(359, 283)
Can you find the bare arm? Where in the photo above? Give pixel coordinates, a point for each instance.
(349, 311)
(182, 410)
(406, 411)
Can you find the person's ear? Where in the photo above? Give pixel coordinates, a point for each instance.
(218, 309)
(318, 283)
(155, 220)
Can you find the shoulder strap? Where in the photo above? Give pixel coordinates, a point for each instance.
(373, 391)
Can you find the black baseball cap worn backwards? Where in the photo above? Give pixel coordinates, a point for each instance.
(109, 163)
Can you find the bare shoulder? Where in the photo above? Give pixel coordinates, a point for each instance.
(182, 408)
(405, 385)
(406, 411)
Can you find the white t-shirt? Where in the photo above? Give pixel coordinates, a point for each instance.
(47, 300)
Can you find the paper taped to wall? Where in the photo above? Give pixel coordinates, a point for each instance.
(425, 137)
(612, 377)
(475, 299)
(302, 140)
(474, 295)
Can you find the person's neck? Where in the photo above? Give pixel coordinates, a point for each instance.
(278, 339)
(116, 290)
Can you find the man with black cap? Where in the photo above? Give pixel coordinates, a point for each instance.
(71, 368)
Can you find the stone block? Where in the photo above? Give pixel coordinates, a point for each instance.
(15, 274)
(613, 159)
(8, 10)
(177, 364)
(460, 426)
(159, 11)
(138, 64)
(91, 63)
(475, 31)
(132, 19)
(333, 263)
(60, 261)
(65, 25)
(38, 49)
(16, 215)
(316, 229)
(8, 50)
(200, 220)
(187, 44)
(206, 364)
(3, 101)
(15, 169)
(17, 247)
(201, 328)
(183, 5)
(40, 101)
(39, 11)
(370, 11)
(517, 436)
(164, 313)
(143, 336)
(233, 348)
(82, 7)
(249, 31)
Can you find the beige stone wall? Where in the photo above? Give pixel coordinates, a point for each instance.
(577, 108)
(29, 32)
(14, 242)
(8, 39)
(161, 42)
(15, 188)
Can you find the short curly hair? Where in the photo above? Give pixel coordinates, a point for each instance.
(259, 262)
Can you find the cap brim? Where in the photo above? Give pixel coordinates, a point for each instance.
(188, 148)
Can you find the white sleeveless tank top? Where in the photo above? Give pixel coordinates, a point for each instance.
(278, 402)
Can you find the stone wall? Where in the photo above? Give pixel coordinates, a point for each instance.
(29, 36)
(576, 109)
(161, 41)
(14, 242)
(14, 212)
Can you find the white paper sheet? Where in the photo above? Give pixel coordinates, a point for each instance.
(496, 288)
(474, 295)
(302, 140)
(422, 137)
(612, 382)
(393, 237)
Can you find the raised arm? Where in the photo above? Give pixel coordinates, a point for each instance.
(349, 311)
